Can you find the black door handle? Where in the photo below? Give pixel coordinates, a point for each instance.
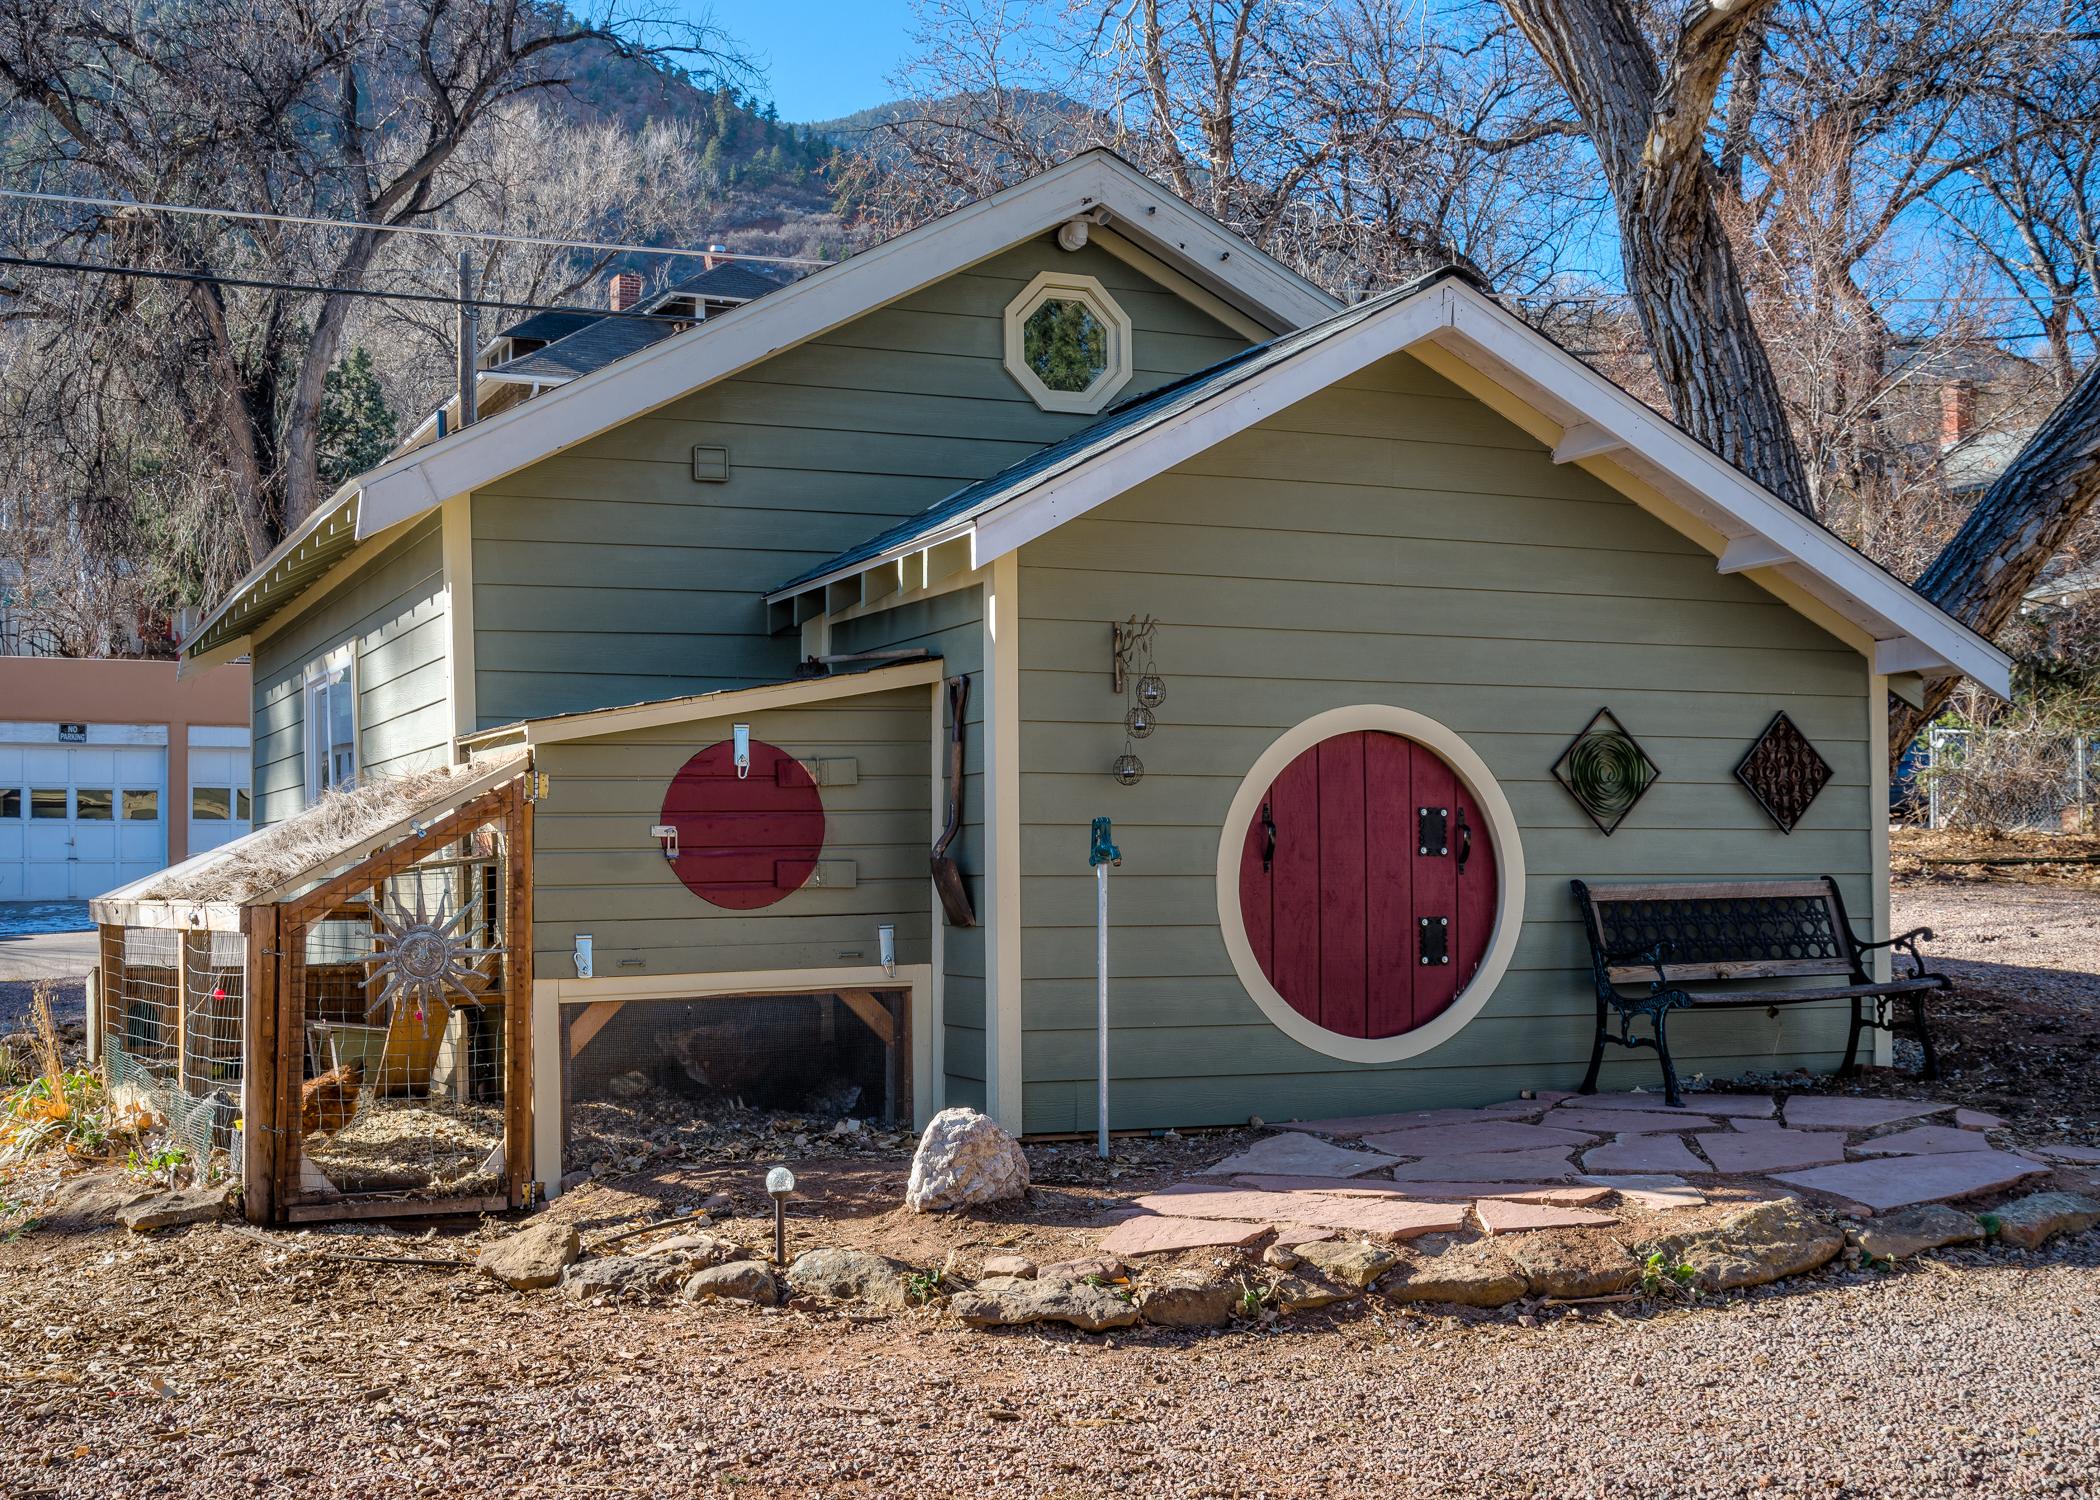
(1465, 841)
(1268, 848)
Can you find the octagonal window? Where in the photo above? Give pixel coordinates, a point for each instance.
(1066, 345)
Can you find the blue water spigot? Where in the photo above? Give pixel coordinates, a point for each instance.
(1103, 851)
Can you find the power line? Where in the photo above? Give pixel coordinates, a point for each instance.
(326, 291)
(460, 234)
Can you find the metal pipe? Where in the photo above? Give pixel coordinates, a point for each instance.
(469, 340)
(1101, 986)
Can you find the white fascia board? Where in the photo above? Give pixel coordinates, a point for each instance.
(702, 706)
(668, 371)
(868, 565)
(315, 519)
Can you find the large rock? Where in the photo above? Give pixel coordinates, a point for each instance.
(1186, 1301)
(1297, 1293)
(1010, 1265)
(700, 1249)
(1352, 1261)
(184, 1206)
(532, 1258)
(1914, 1230)
(1762, 1243)
(93, 1199)
(851, 1276)
(1087, 1308)
(964, 1158)
(737, 1281)
(622, 1276)
(1596, 1268)
(2041, 1216)
(1470, 1276)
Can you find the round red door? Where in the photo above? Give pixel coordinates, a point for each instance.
(1368, 885)
(745, 842)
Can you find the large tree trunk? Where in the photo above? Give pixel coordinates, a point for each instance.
(1649, 131)
(2019, 524)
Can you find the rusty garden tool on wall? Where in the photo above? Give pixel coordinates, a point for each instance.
(947, 879)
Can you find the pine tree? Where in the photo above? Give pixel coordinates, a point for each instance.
(357, 429)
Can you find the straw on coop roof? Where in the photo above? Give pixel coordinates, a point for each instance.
(267, 859)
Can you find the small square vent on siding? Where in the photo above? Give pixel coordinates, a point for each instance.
(711, 466)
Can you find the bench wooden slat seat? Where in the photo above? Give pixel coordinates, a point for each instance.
(1685, 932)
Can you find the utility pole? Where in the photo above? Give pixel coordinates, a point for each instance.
(469, 339)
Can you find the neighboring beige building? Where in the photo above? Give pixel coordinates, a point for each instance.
(111, 769)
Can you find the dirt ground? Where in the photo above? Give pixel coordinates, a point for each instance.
(203, 1362)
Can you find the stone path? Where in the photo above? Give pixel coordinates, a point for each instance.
(1514, 1166)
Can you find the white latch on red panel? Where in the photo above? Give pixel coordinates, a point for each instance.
(668, 833)
(742, 734)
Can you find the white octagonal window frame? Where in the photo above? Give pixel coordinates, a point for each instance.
(1503, 833)
(1059, 286)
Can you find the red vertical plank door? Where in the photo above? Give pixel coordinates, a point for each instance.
(1336, 921)
(745, 842)
(1342, 884)
(1389, 867)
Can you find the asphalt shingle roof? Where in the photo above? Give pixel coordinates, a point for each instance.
(603, 339)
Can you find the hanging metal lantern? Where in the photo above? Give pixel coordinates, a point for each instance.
(1128, 769)
(1139, 722)
(1152, 690)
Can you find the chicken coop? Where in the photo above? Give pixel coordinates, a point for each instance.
(334, 1009)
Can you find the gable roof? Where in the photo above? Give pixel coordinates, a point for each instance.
(596, 340)
(1467, 336)
(1205, 261)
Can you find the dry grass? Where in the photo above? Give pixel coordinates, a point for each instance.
(267, 859)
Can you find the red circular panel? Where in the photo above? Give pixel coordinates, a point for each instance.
(1368, 885)
(745, 843)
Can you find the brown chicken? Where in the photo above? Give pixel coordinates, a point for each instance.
(327, 1103)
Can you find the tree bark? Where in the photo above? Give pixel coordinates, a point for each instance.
(2020, 523)
(1649, 131)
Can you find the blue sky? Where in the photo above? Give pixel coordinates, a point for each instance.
(822, 58)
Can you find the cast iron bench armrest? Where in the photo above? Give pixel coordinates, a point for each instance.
(1908, 942)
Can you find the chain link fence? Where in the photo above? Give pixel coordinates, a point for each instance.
(2003, 780)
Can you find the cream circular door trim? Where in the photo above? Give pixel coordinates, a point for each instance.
(1059, 286)
(1502, 831)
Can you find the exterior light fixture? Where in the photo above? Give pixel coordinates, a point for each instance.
(1139, 722)
(779, 1183)
(1128, 769)
(1146, 691)
(1151, 688)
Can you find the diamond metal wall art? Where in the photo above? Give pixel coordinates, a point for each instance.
(1606, 771)
(1784, 772)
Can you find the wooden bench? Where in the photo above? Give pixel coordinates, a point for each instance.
(1668, 935)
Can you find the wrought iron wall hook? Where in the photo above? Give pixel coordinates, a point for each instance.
(1126, 641)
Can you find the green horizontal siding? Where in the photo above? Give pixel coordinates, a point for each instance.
(605, 575)
(1393, 541)
(596, 869)
(394, 609)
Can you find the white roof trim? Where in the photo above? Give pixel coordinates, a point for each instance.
(1140, 209)
(1755, 528)
(592, 724)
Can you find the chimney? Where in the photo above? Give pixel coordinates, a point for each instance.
(1957, 412)
(717, 255)
(623, 289)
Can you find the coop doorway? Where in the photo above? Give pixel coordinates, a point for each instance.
(641, 1076)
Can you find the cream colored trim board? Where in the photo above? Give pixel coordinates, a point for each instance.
(458, 523)
(1503, 831)
(954, 582)
(917, 980)
(705, 706)
(1147, 264)
(938, 1063)
(1002, 824)
(1878, 833)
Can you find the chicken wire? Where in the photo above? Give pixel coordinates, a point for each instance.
(172, 1034)
(403, 1088)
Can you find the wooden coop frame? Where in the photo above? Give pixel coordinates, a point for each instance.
(274, 1003)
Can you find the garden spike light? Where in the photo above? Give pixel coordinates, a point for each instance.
(780, 1182)
(1101, 856)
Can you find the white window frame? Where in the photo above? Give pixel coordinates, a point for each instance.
(1059, 286)
(333, 674)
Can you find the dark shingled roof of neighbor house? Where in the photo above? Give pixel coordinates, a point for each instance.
(605, 339)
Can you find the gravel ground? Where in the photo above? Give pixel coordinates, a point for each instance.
(199, 1362)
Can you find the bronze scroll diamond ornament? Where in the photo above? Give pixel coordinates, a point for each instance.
(1784, 772)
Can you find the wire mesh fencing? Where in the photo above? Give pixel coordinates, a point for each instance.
(2006, 779)
(172, 1034)
(404, 1025)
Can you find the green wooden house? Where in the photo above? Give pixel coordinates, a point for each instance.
(1395, 558)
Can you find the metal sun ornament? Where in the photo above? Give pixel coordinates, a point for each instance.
(423, 955)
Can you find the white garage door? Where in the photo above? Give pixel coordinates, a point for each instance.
(218, 806)
(80, 819)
